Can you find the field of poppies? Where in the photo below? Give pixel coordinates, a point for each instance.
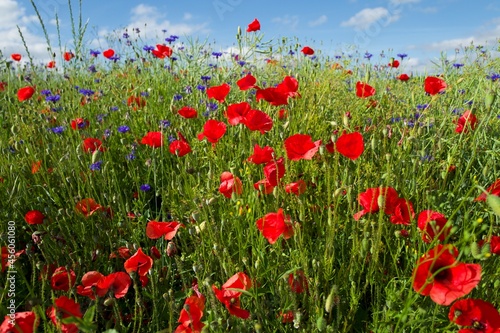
(174, 187)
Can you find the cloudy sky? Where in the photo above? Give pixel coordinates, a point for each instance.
(421, 28)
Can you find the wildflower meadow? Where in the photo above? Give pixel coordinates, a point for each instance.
(172, 187)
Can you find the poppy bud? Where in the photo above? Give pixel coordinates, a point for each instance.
(330, 300)
(321, 323)
(494, 203)
(489, 99)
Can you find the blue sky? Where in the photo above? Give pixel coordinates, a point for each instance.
(420, 28)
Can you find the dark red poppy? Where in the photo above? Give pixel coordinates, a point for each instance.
(264, 186)
(433, 225)
(219, 93)
(3, 85)
(89, 288)
(350, 145)
(394, 63)
(180, 147)
(21, 322)
(475, 315)
(213, 130)
(236, 113)
(162, 51)
(34, 217)
(434, 85)
(153, 139)
(155, 229)
(307, 50)
(403, 77)
(139, 262)
(439, 275)
(25, 93)
(8, 259)
(63, 308)
(246, 82)
(51, 64)
(494, 189)
(87, 206)
(191, 314)
(403, 212)
(373, 197)
(230, 296)
(466, 122)
(274, 171)
(122, 252)
(109, 53)
(298, 282)
(364, 90)
(273, 225)
(301, 146)
(254, 26)
(188, 112)
(289, 86)
(296, 188)
(62, 279)
(230, 184)
(90, 145)
(257, 120)
(118, 283)
(261, 155)
(272, 96)
(16, 56)
(68, 56)
(79, 123)
(286, 317)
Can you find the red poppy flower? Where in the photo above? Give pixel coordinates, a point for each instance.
(90, 145)
(393, 63)
(162, 51)
(433, 225)
(307, 50)
(118, 283)
(219, 93)
(136, 102)
(3, 85)
(191, 313)
(298, 282)
(34, 217)
(296, 188)
(434, 85)
(20, 322)
(25, 93)
(188, 112)
(289, 87)
(155, 229)
(465, 122)
(494, 189)
(264, 186)
(439, 275)
(286, 317)
(364, 90)
(89, 287)
(272, 96)
(153, 139)
(79, 123)
(35, 166)
(51, 64)
(494, 242)
(213, 130)
(273, 225)
(236, 113)
(109, 53)
(475, 315)
(261, 155)
(180, 147)
(123, 252)
(274, 171)
(63, 308)
(16, 56)
(230, 296)
(257, 120)
(370, 199)
(403, 77)
(87, 206)
(62, 279)
(246, 82)
(68, 56)
(301, 146)
(403, 212)
(350, 145)
(230, 184)
(254, 26)
(139, 262)
(282, 114)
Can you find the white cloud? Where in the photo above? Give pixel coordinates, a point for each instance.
(368, 16)
(319, 21)
(452, 43)
(290, 22)
(188, 16)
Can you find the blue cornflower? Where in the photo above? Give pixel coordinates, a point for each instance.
(188, 90)
(205, 78)
(217, 54)
(201, 87)
(145, 187)
(241, 63)
(144, 94)
(368, 55)
(123, 129)
(97, 80)
(169, 40)
(493, 76)
(457, 65)
(57, 129)
(130, 157)
(148, 48)
(291, 52)
(95, 53)
(46, 92)
(126, 35)
(100, 117)
(338, 57)
(173, 58)
(86, 92)
(422, 106)
(107, 133)
(177, 97)
(165, 123)
(402, 56)
(53, 98)
(171, 138)
(96, 166)
(212, 106)
(174, 37)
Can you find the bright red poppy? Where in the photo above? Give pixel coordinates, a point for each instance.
(289, 86)
(213, 130)
(236, 113)
(273, 225)
(25, 93)
(350, 145)
(466, 122)
(296, 188)
(494, 242)
(16, 56)
(180, 147)
(307, 50)
(261, 155)
(118, 283)
(191, 314)
(433, 225)
(230, 296)
(188, 112)
(155, 229)
(22, 322)
(254, 26)
(230, 184)
(63, 308)
(79, 123)
(219, 93)
(494, 189)
(34, 217)
(403, 77)
(153, 139)
(274, 171)
(162, 51)
(394, 63)
(298, 282)
(264, 186)
(62, 279)
(87, 207)
(246, 82)
(372, 198)
(139, 262)
(364, 90)
(301, 146)
(90, 145)
(257, 120)
(403, 212)
(272, 96)
(434, 85)
(109, 53)
(439, 275)
(89, 287)
(51, 64)
(68, 56)
(475, 315)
